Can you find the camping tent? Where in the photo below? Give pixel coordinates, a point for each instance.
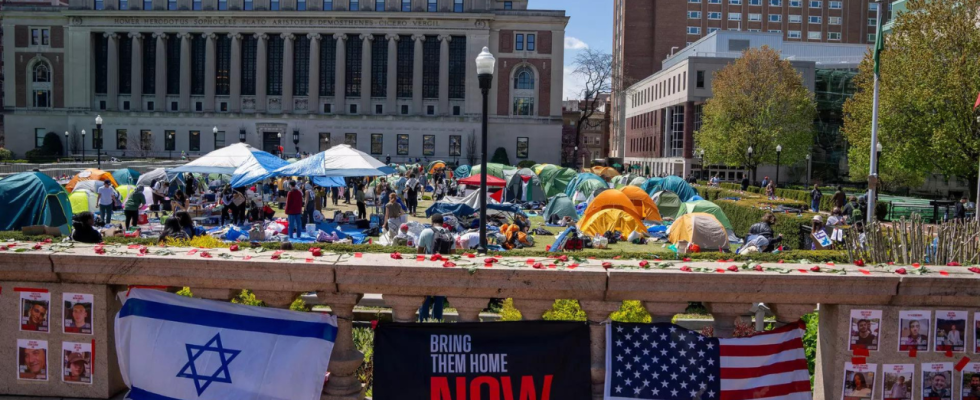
(469, 205)
(638, 181)
(555, 179)
(652, 185)
(524, 186)
(91, 174)
(32, 198)
(435, 166)
(340, 160)
(561, 206)
(124, 192)
(154, 175)
(605, 172)
(83, 200)
(704, 206)
(643, 203)
(612, 220)
(667, 202)
(494, 169)
(584, 183)
(612, 200)
(701, 229)
(674, 184)
(462, 171)
(126, 176)
(474, 181)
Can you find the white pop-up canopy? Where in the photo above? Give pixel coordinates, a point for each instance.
(245, 163)
(338, 161)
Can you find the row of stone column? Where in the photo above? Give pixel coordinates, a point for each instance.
(261, 78)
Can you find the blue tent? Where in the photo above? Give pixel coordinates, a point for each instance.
(340, 161)
(581, 178)
(126, 176)
(677, 185)
(32, 198)
(462, 172)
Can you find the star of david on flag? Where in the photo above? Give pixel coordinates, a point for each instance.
(666, 361)
(174, 347)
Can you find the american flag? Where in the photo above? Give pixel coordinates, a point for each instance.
(666, 361)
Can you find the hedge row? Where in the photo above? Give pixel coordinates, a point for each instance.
(803, 196)
(745, 212)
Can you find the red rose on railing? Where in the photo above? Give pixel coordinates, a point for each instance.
(974, 270)
(436, 257)
(205, 254)
(572, 266)
(563, 258)
(733, 268)
(606, 265)
(47, 240)
(490, 260)
(687, 259)
(470, 255)
(143, 250)
(644, 264)
(859, 263)
(538, 266)
(233, 247)
(448, 264)
(953, 264)
(815, 268)
(316, 252)
(686, 268)
(915, 265)
(901, 271)
(277, 255)
(37, 246)
(396, 255)
(757, 268)
(100, 249)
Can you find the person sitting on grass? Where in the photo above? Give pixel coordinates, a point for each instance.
(268, 213)
(172, 230)
(186, 223)
(83, 225)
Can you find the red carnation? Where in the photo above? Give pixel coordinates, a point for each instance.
(396, 255)
(448, 264)
(538, 266)
(859, 263)
(205, 254)
(687, 259)
(436, 257)
(606, 265)
(316, 252)
(815, 268)
(686, 268)
(644, 264)
(489, 260)
(572, 266)
(37, 246)
(733, 268)
(974, 270)
(563, 258)
(757, 268)
(233, 247)
(47, 240)
(143, 250)
(901, 271)
(100, 249)
(953, 264)
(916, 265)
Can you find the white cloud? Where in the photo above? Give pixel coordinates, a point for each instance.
(572, 84)
(573, 43)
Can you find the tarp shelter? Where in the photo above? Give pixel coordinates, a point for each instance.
(82, 200)
(333, 181)
(341, 160)
(605, 172)
(435, 166)
(612, 199)
(677, 185)
(701, 229)
(126, 176)
(612, 220)
(469, 205)
(91, 174)
(474, 180)
(555, 179)
(524, 186)
(494, 169)
(584, 183)
(32, 198)
(643, 203)
(667, 202)
(704, 206)
(561, 206)
(463, 171)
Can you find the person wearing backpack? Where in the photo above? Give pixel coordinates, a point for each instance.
(434, 240)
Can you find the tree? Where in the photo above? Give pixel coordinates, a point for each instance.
(595, 68)
(760, 102)
(500, 156)
(929, 82)
(74, 142)
(471, 149)
(52, 146)
(568, 146)
(141, 142)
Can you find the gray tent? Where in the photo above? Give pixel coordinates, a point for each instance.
(524, 186)
(667, 202)
(561, 206)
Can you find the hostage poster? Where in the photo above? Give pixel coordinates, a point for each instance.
(540, 360)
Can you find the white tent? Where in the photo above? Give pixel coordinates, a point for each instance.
(245, 163)
(148, 178)
(340, 160)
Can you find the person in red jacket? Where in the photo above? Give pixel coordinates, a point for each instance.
(294, 209)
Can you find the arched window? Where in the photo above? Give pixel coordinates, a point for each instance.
(41, 85)
(524, 78)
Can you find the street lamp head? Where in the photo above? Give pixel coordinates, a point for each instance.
(485, 62)
(296, 137)
(98, 120)
(279, 135)
(215, 130)
(779, 148)
(83, 132)
(807, 156)
(878, 147)
(66, 133)
(750, 149)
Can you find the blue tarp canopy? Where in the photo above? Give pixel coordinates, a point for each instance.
(32, 198)
(333, 181)
(338, 161)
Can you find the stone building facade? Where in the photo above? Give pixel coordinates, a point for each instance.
(390, 77)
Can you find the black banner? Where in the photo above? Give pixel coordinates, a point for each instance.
(527, 360)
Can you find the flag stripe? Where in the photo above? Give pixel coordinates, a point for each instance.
(196, 316)
(764, 381)
(755, 362)
(767, 391)
(757, 371)
(728, 350)
(767, 338)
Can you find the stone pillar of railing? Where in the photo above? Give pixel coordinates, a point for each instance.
(403, 308)
(345, 359)
(663, 312)
(533, 310)
(468, 308)
(596, 312)
(724, 315)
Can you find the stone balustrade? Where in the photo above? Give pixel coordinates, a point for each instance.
(340, 280)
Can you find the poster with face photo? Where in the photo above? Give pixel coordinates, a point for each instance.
(78, 313)
(976, 333)
(950, 331)
(34, 308)
(970, 381)
(32, 360)
(76, 362)
(913, 328)
(937, 381)
(859, 380)
(898, 383)
(865, 326)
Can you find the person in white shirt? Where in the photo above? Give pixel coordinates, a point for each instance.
(107, 197)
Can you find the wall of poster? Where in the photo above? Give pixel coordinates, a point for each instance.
(913, 328)
(402, 142)
(970, 382)
(859, 381)
(32, 360)
(76, 362)
(937, 381)
(428, 145)
(865, 329)
(898, 382)
(522, 147)
(34, 311)
(77, 313)
(950, 331)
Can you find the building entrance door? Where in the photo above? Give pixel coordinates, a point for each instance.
(270, 143)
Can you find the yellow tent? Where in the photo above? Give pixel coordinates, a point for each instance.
(643, 203)
(82, 200)
(702, 229)
(125, 191)
(606, 173)
(612, 199)
(91, 174)
(612, 220)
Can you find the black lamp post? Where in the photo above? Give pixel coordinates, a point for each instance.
(700, 155)
(326, 143)
(214, 132)
(296, 140)
(170, 136)
(808, 171)
(779, 151)
(64, 151)
(279, 149)
(484, 71)
(241, 136)
(83, 145)
(97, 137)
(878, 159)
(751, 172)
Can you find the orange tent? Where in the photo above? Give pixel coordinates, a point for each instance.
(643, 203)
(606, 173)
(611, 199)
(91, 174)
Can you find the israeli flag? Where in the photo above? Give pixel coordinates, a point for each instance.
(175, 347)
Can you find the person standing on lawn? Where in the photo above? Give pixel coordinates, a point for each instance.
(132, 207)
(294, 209)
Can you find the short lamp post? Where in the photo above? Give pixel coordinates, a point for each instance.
(700, 154)
(326, 143)
(751, 175)
(878, 159)
(83, 145)
(484, 71)
(779, 152)
(97, 137)
(170, 137)
(65, 150)
(296, 140)
(808, 159)
(282, 156)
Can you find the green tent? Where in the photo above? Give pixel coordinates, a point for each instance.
(561, 206)
(555, 179)
(32, 198)
(126, 176)
(639, 181)
(667, 202)
(493, 169)
(518, 190)
(704, 206)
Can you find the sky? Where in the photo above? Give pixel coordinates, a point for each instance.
(589, 26)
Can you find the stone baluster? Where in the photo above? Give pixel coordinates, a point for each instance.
(417, 75)
(340, 75)
(663, 312)
(345, 359)
(598, 311)
(444, 74)
(724, 315)
(791, 312)
(235, 76)
(366, 42)
(214, 294)
(136, 73)
(275, 298)
(391, 92)
(185, 71)
(261, 73)
(533, 310)
(210, 71)
(313, 93)
(112, 71)
(403, 308)
(469, 308)
(287, 72)
(160, 97)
